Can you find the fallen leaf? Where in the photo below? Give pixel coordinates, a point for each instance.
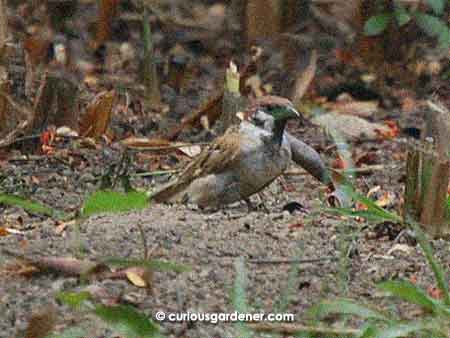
(145, 142)
(352, 107)
(135, 277)
(351, 127)
(96, 119)
(191, 151)
(3, 232)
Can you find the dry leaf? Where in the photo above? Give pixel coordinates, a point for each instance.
(145, 142)
(351, 127)
(392, 131)
(3, 232)
(134, 276)
(96, 120)
(191, 151)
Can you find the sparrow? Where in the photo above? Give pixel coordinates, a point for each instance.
(238, 164)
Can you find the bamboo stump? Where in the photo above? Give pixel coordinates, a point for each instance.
(428, 175)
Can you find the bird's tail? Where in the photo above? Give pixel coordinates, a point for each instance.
(166, 192)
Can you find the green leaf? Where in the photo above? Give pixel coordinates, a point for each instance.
(75, 300)
(403, 329)
(438, 270)
(377, 24)
(345, 307)
(149, 263)
(240, 285)
(104, 201)
(401, 16)
(410, 293)
(28, 205)
(369, 331)
(444, 39)
(289, 290)
(373, 212)
(128, 321)
(436, 5)
(434, 27)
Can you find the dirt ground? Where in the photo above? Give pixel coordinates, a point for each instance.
(210, 243)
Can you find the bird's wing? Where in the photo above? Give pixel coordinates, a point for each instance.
(222, 154)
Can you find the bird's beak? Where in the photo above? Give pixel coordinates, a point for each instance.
(294, 112)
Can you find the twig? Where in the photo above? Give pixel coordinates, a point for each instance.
(168, 147)
(156, 173)
(292, 261)
(361, 170)
(297, 328)
(26, 112)
(144, 239)
(26, 158)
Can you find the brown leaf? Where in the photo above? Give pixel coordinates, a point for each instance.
(37, 46)
(140, 277)
(3, 232)
(96, 120)
(145, 142)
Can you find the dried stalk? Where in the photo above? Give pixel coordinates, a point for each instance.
(151, 80)
(292, 329)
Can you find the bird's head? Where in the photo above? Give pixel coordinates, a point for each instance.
(281, 112)
(264, 111)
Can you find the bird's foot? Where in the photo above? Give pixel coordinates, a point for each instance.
(256, 207)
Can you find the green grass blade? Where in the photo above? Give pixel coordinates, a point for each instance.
(410, 293)
(345, 307)
(403, 329)
(128, 321)
(438, 270)
(27, 205)
(369, 331)
(373, 212)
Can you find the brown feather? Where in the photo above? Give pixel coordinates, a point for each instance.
(265, 101)
(216, 158)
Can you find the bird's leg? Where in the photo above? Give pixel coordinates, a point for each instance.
(253, 207)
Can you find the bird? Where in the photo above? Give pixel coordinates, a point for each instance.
(302, 154)
(239, 163)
